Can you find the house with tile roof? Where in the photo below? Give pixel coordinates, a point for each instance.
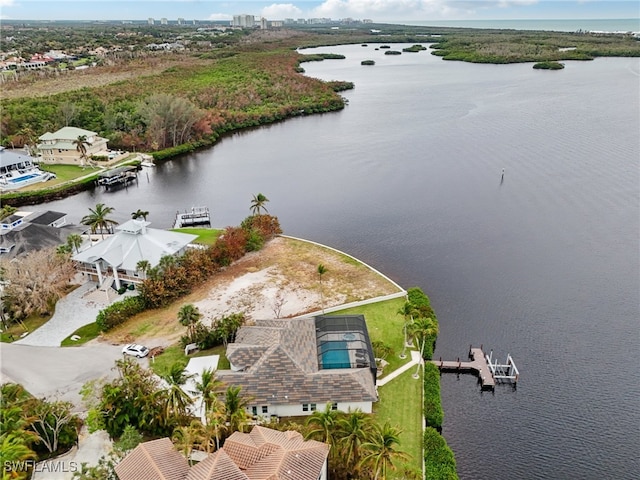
(294, 367)
(58, 147)
(262, 454)
(116, 257)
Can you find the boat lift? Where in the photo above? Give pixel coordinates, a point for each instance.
(503, 373)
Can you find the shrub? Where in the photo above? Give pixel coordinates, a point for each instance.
(433, 413)
(439, 462)
(119, 312)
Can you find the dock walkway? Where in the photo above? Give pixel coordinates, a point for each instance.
(477, 365)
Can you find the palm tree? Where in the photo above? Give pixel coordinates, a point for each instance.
(407, 311)
(323, 424)
(422, 329)
(74, 241)
(81, 144)
(257, 204)
(353, 431)
(381, 451)
(140, 214)
(177, 400)
(143, 266)
(208, 387)
(186, 437)
(188, 316)
(216, 424)
(235, 406)
(97, 219)
(321, 271)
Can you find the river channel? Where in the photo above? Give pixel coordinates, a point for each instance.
(543, 264)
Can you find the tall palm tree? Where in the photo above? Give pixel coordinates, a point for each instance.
(177, 400)
(74, 241)
(215, 424)
(140, 214)
(323, 424)
(381, 450)
(321, 271)
(81, 144)
(235, 406)
(407, 311)
(188, 316)
(208, 387)
(257, 204)
(353, 431)
(422, 330)
(97, 218)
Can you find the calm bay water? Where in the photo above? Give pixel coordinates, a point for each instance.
(544, 265)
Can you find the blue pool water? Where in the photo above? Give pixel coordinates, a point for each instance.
(335, 355)
(24, 178)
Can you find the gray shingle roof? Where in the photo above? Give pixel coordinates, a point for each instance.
(287, 372)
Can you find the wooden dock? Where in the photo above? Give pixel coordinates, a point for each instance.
(487, 371)
(197, 216)
(118, 176)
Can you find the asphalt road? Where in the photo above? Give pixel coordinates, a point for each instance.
(54, 371)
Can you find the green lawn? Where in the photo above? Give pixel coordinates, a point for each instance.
(15, 330)
(401, 404)
(86, 333)
(175, 353)
(64, 173)
(384, 325)
(206, 236)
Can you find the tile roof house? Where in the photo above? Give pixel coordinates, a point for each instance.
(296, 366)
(58, 147)
(121, 252)
(262, 454)
(154, 460)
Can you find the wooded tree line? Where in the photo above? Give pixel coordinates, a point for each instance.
(184, 104)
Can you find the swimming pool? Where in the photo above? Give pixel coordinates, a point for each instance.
(24, 178)
(335, 355)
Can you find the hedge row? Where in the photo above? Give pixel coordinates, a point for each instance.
(119, 312)
(439, 461)
(433, 413)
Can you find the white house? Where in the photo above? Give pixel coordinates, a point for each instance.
(58, 147)
(293, 367)
(116, 257)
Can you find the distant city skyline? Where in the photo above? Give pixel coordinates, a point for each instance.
(381, 11)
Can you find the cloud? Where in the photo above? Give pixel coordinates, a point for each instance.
(383, 10)
(279, 11)
(217, 16)
(380, 9)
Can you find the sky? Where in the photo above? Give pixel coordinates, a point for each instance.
(382, 11)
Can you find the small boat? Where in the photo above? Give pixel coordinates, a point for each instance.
(147, 163)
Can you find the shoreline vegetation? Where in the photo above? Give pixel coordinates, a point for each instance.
(248, 80)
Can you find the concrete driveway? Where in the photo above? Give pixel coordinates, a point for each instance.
(51, 371)
(73, 311)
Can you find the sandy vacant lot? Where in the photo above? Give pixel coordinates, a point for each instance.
(282, 281)
(279, 281)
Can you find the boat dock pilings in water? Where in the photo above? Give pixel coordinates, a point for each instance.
(488, 370)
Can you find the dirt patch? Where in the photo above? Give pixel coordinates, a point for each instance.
(279, 281)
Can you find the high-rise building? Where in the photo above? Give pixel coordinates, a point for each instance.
(244, 21)
(150, 21)
(181, 21)
(163, 21)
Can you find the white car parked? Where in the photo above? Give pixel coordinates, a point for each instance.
(135, 350)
